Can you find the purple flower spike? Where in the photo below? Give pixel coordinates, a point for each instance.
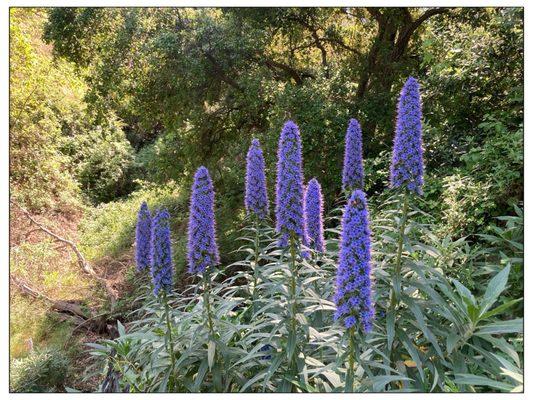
(143, 234)
(161, 253)
(289, 185)
(313, 215)
(407, 167)
(353, 172)
(202, 246)
(256, 198)
(354, 283)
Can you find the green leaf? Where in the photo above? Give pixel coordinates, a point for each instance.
(465, 293)
(332, 377)
(413, 352)
(423, 326)
(200, 376)
(501, 308)
(291, 345)
(120, 327)
(273, 368)
(511, 326)
(513, 375)
(379, 382)
(390, 329)
(494, 289)
(476, 380)
(451, 342)
(211, 348)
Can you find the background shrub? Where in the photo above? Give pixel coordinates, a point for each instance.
(40, 371)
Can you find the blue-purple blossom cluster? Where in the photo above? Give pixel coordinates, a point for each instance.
(161, 253)
(256, 198)
(289, 185)
(354, 283)
(353, 173)
(202, 245)
(407, 167)
(143, 234)
(313, 215)
(297, 213)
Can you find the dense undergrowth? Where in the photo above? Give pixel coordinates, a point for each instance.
(446, 337)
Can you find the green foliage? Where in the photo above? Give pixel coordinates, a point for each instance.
(192, 86)
(102, 160)
(108, 230)
(41, 371)
(473, 102)
(505, 248)
(443, 337)
(29, 320)
(45, 95)
(466, 204)
(52, 272)
(57, 145)
(136, 99)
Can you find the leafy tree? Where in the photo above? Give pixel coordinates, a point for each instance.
(45, 98)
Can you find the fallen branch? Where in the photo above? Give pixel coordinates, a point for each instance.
(58, 305)
(67, 311)
(84, 265)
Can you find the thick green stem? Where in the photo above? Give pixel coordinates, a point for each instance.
(170, 342)
(219, 385)
(351, 362)
(293, 280)
(293, 305)
(397, 278)
(207, 303)
(256, 264)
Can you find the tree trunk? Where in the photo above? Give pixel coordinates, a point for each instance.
(395, 29)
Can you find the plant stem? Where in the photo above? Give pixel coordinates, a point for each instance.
(256, 263)
(351, 362)
(170, 342)
(207, 305)
(397, 279)
(293, 307)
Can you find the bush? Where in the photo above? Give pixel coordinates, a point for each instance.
(41, 371)
(45, 96)
(103, 160)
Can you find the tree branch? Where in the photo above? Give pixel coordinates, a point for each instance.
(58, 305)
(298, 76)
(316, 39)
(340, 43)
(220, 72)
(407, 31)
(84, 265)
(428, 14)
(374, 12)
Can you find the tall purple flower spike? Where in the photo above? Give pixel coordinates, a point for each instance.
(202, 246)
(354, 282)
(407, 167)
(256, 198)
(161, 253)
(289, 185)
(353, 172)
(143, 234)
(313, 215)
